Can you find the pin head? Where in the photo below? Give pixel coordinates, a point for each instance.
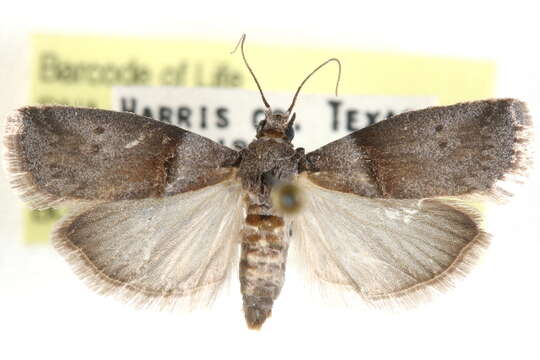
(288, 198)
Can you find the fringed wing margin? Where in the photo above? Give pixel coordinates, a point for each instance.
(391, 252)
(480, 150)
(170, 253)
(56, 154)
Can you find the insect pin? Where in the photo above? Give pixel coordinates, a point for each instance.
(158, 213)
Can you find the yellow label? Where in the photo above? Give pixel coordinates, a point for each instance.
(80, 71)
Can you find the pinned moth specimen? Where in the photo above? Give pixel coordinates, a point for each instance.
(161, 216)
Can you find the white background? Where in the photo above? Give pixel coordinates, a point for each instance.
(45, 312)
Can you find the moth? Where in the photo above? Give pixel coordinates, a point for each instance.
(161, 216)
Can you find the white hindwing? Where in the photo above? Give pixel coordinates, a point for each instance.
(157, 251)
(390, 251)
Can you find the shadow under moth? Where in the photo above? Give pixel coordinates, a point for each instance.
(161, 216)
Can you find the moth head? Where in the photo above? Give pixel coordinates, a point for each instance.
(276, 124)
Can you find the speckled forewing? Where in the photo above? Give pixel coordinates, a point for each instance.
(396, 250)
(441, 151)
(170, 252)
(57, 153)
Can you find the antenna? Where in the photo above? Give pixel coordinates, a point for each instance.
(313, 72)
(241, 44)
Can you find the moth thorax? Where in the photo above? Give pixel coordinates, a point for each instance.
(287, 198)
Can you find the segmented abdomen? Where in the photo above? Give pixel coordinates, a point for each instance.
(262, 264)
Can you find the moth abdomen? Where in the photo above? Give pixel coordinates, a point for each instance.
(264, 222)
(262, 264)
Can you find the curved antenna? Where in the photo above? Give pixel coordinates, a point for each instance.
(241, 44)
(313, 72)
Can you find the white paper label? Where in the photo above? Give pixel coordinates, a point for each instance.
(229, 116)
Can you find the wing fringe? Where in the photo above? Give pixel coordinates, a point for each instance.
(522, 158)
(16, 165)
(351, 295)
(462, 265)
(417, 295)
(445, 281)
(139, 297)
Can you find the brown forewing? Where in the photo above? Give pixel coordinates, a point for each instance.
(440, 151)
(57, 153)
